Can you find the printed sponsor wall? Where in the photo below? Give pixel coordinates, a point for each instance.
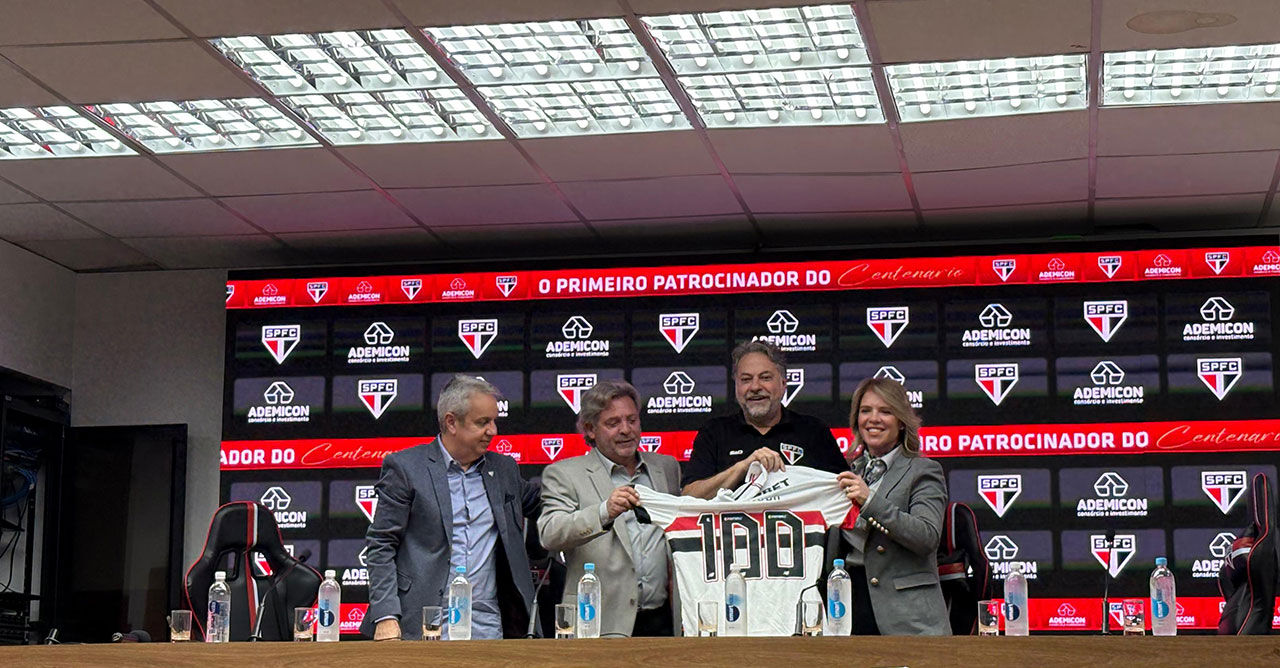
(1066, 395)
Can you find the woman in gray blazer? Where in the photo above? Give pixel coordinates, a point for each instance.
(891, 553)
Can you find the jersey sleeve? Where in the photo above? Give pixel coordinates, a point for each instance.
(819, 490)
(661, 508)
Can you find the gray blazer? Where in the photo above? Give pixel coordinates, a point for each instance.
(901, 554)
(410, 539)
(572, 491)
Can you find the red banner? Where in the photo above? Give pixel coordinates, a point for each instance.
(1085, 614)
(760, 277)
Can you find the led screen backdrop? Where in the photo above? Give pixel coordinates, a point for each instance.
(1066, 394)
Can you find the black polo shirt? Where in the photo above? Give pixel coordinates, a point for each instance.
(723, 441)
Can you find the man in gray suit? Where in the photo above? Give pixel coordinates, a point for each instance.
(587, 515)
(445, 504)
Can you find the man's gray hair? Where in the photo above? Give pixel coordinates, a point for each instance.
(456, 396)
(764, 348)
(595, 400)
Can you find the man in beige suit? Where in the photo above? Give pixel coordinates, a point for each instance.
(586, 513)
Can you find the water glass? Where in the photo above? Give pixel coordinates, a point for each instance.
(708, 618)
(566, 619)
(1135, 621)
(304, 622)
(179, 625)
(432, 622)
(811, 618)
(989, 618)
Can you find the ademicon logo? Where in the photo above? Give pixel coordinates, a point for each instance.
(783, 328)
(916, 397)
(679, 397)
(278, 406)
(1108, 388)
(1002, 553)
(378, 349)
(1219, 550)
(1218, 324)
(1111, 499)
(577, 340)
(996, 330)
(280, 340)
(278, 500)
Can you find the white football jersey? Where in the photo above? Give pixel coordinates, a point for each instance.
(776, 528)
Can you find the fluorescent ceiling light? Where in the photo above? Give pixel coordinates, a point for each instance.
(434, 114)
(203, 125)
(586, 107)
(543, 52)
(1000, 87)
(788, 66)
(48, 132)
(1191, 75)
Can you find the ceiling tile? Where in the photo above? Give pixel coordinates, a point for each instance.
(450, 12)
(1183, 213)
(942, 30)
(108, 178)
(24, 222)
(1171, 176)
(229, 18)
(91, 254)
(1167, 24)
(321, 212)
(667, 235)
(1025, 184)
(16, 90)
(11, 195)
(652, 198)
(44, 22)
(996, 141)
(139, 72)
(266, 172)
(398, 245)
(482, 205)
(849, 228)
(1193, 128)
(216, 252)
(623, 156)
(471, 163)
(1009, 222)
(812, 194)
(806, 150)
(524, 241)
(160, 218)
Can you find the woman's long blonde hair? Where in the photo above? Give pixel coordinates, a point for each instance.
(896, 397)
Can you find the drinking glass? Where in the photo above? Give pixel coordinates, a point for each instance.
(432, 622)
(179, 625)
(708, 618)
(1135, 621)
(566, 620)
(989, 618)
(304, 621)
(811, 618)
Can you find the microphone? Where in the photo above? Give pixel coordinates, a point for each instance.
(542, 574)
(257, 628)
(799, 630)
(1110, 539)
(138, 635)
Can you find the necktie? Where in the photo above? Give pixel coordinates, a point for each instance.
(875, 469)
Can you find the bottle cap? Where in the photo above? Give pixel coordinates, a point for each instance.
(590, 568)
(460, 569)
(1161, 561)
(838, 563)
(331, 573)
(220, 575)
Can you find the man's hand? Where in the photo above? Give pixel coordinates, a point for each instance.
(854, 487)
(621, 500)
(387, 629)
(768, 458)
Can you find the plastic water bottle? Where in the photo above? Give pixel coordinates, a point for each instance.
(589, 603)
(735, 602)
(1164, 600)
(460, 605)
(1016, 622)
(218, 628)
(329, 606)
(839, 598)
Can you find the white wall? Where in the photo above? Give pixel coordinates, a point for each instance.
(149, 350)
(36, 302)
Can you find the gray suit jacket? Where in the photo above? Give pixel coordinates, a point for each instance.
(572, 491)
(901, 554)
(410, 539)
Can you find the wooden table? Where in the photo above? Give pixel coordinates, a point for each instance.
(1033, 652)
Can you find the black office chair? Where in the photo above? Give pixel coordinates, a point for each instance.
(963, 568)
(1248, 579)
(236, 532)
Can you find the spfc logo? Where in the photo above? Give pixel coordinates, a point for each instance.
(678, 328)
(411, 287)
(793, 453)
(650, 443)
(264, 568)
(1000, 491)
(280, 340)
(571, 386)
(1004, 268)
(1220, 374)
(376, 395)
(1217, 260)
(367, 500)
(1106, 317)
(1224, 488)
(888, 322)
(996, 379)
(1118, 555)
(506, 284)
(476, 335)
(317, 290)
(1110, 264)
(553, 446)
(795, 382)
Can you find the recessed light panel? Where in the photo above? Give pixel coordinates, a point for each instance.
(1191, 76)
(1000, 87)
(434, 114)
(53, 132)
(203, 125)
